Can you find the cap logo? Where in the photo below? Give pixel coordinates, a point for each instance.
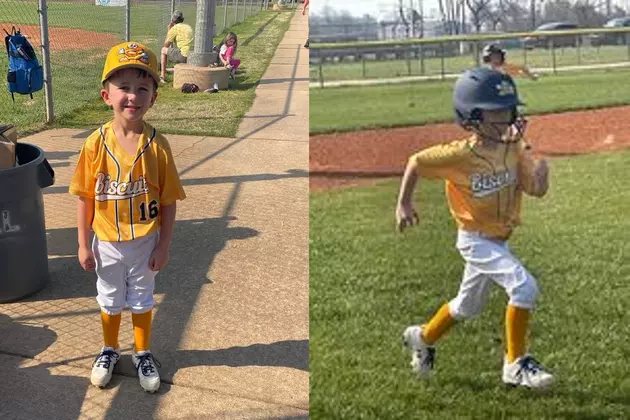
(133, 53)
(505, 88)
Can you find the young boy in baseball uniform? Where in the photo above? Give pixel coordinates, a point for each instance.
(128, 186)
(494, 57)
(485, 175)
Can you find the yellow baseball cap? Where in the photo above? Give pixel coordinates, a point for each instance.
(130, 54)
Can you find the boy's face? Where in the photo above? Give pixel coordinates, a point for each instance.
(130, 94)
(496, 124)
(496, 59)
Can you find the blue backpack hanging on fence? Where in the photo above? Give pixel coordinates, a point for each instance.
(25, 75)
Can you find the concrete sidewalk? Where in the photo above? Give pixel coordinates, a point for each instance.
(231, 322)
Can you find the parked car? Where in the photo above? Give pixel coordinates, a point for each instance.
(611, 39)
(506, 44)
(557, 41)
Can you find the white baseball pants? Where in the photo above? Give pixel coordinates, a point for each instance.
(490, 261)
(124, 276)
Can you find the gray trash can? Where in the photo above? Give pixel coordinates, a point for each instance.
(23, 250)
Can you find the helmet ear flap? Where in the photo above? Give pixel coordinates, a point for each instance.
(476, 116)
(514, 116)
(472, 121)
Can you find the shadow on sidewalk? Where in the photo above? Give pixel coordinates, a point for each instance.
(228, 179)
(195, 245)
(32, 392)
(290, 353)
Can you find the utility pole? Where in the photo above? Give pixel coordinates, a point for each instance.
(204, 32)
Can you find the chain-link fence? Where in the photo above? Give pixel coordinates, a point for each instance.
(80, 32)
(431, 58)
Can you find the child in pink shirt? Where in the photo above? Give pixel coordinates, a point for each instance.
(227, 52)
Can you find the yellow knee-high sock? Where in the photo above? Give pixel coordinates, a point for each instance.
(111, 325)
(142, 330)
(516, 320)
(438, 325)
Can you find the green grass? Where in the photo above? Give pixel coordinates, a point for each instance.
(76, 87)
(538, 58)
(369, 282)
(431, 101)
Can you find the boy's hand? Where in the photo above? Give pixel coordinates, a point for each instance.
(159, 258)
(405, 216)
(86, 258)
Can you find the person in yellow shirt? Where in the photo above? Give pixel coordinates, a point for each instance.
(180, 34)
(486, 175)
(127, 185)
(494, 57)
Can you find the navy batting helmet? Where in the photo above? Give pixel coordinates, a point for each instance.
(490, 49)
(483, 89)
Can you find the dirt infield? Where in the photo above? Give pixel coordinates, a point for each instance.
(354, 158)
(64, 38)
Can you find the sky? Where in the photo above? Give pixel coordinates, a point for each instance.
(372, 7)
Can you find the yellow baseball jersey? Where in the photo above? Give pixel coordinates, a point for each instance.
(483, 185)
(128, 191)
(182, 35)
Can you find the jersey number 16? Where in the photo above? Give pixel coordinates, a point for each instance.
(153, 210)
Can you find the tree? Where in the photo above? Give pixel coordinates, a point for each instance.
(403, 19)
(515, 16)
(452, 15)
(585, 13)
(494, 15)
(478, 8)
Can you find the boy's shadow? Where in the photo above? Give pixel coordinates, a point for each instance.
(32, 392)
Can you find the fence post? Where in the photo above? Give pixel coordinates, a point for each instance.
(421, 60)
(476, 52)
(244, 9)
(128, 21)
(553, 56)
(321, 74)
(524, 56)
(363, 66)
(625, 37)
(225, 12)
(442, 59)
(577, 48)
(172, 7)
(236, 11)
(48, 95)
